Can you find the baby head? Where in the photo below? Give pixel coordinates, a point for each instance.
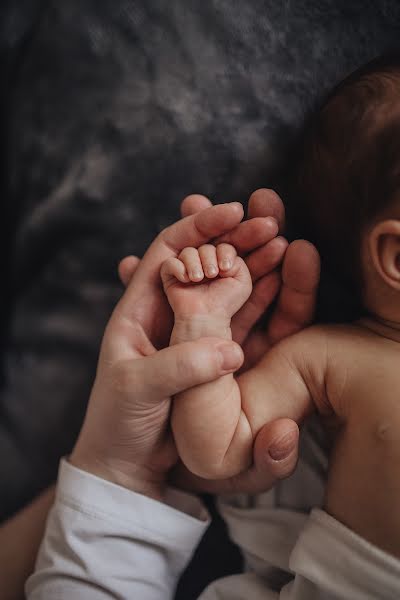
(347, 185)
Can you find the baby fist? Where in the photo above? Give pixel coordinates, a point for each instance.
(208, 281)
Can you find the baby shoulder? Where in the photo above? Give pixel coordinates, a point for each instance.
(312, 351)
(320, 338)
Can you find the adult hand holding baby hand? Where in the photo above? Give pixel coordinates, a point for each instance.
(125, 437)
(275, 451)
(289, 275)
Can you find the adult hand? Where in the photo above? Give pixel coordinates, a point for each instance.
(125, 437)
(281, 272)
(288, 274)
(146, 303)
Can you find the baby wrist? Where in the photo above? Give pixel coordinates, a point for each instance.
(192, 328)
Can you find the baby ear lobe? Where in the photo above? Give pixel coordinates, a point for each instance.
(384, 246)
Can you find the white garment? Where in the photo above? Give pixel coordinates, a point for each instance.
(103, 541)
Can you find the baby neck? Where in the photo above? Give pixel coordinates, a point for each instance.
(382, 327)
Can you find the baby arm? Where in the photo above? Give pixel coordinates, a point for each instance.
(215, 424)
(205, 288)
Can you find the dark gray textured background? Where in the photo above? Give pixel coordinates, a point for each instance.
(111, 112)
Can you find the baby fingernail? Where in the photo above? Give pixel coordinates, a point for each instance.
(231, 356)
(197, 275)
(226, 264)
(211, 270)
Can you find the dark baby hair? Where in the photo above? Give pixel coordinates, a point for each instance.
(348, 168)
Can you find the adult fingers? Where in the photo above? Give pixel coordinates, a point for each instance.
(265, 212)
(199, 228)
(126, 269)
(193, 204)
(267, 203)
(193, 230)
(251, 234)
(263, 294)
(297, 299)
(180, 367)
(275, 452)
(266, 259)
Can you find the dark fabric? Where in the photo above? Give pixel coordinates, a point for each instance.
(216, 557)
(111, 112)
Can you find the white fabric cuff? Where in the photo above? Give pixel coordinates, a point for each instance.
(343, 564)
(161, 521)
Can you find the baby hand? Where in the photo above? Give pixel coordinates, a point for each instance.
(208, 281)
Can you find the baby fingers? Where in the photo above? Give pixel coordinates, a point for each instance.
(190, 258)
(217, 260)
(226, 255)
(195, 264)
(172, 269)
(209, 261)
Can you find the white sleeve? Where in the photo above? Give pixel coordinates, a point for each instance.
(103, 541)
(328, 562)
(332, 562)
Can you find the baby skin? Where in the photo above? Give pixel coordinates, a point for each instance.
(215, 424)
(347, 191)
(205, 288)
(339, 370)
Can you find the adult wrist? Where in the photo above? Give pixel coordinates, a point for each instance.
(136, 478)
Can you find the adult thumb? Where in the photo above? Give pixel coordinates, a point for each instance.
(182, 366)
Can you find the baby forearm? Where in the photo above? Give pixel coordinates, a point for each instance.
(206, 287)
(211, 432)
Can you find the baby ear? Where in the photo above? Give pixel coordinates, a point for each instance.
(384, 247)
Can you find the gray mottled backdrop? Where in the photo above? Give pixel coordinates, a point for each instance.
(113, 111)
